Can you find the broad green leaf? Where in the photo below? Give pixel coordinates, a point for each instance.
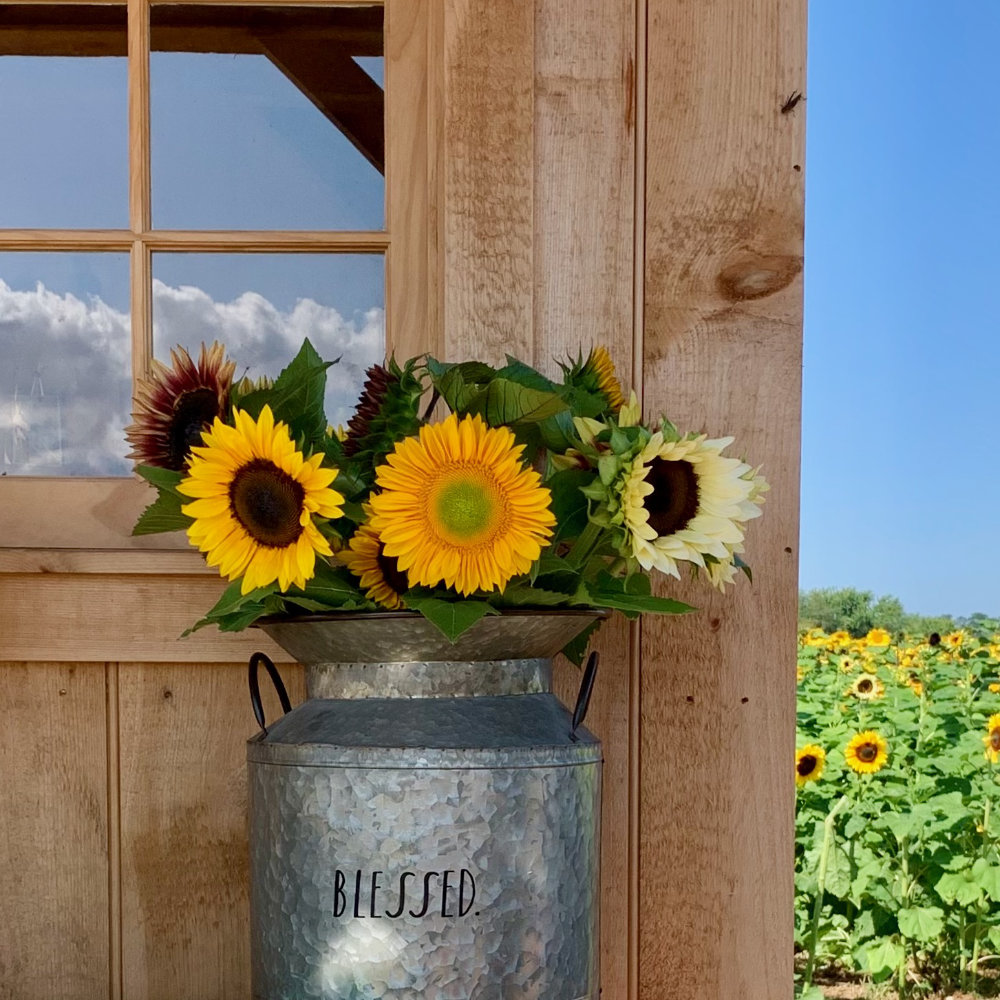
(883, 956)
(921, 923)
(297, 395)
(576, 649)
(569, 505)
(958, 887)
(809, 993)
(503, 402)
(162, 479)
(451, 617)
(987, 876)
(163, 514)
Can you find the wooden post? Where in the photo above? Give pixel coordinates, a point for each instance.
(722, 353)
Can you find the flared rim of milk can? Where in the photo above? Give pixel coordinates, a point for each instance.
(405, 636)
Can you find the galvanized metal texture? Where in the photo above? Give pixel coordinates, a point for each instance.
(429, 846)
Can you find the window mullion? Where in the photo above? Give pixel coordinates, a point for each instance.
(140, 211)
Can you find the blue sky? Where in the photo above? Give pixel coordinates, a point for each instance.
(900, 469)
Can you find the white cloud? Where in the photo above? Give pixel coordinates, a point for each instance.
(65, 389)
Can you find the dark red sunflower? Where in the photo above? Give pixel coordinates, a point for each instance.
(174, 405)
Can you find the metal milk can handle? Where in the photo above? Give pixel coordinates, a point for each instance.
(586, 690)
(258, 709)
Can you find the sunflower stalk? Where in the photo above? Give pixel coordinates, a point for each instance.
(821, 869)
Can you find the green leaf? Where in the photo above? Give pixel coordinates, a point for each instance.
(576, 649)
(451, 617)
(987, 876)
(162, 479)
(569, 504)
(525, 595)
(330, 587)
(612, 592)
(297, 395)
(234, 611)
(921, 923)
(503, 402)
(163, 514)
(809, 993)
(883, 956)
(958, 887)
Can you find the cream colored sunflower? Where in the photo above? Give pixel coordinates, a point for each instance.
(683, 500)
(255, 497)
(457, 505)
(867, 688)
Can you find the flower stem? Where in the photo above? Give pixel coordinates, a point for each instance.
(584, 545)
(824, 861)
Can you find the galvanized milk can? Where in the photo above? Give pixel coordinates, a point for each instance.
(426, 825)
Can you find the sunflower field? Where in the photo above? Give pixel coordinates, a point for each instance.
(897, 845)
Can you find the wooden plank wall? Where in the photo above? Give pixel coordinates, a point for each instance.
(611, 171)
(722, 351)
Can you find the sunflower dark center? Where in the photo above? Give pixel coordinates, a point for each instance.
(806, 765)
(391, 573)
(865, 685)
(674, 500)
(995, 739)
(267, 502)
(193, 412)
(867, 752)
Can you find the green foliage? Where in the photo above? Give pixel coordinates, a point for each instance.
(853, 611)
(897, 872)
(583, 444)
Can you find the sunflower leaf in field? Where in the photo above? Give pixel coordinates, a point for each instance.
(958, 887)
(987, 876)
(809, 993)
(993, 934)
(451, 617)
(921, 923)
(883, 957)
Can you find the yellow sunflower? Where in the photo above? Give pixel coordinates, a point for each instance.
(600, 366)
(255, 496)
(992, 739)
(809, 764)
(380, 574)
(458, 505)
(683, 500)
(173, 406)
(867, 688)
(994, 688)
(867, 752)
(878, 637)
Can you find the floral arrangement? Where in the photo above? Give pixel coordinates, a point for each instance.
(529, 492)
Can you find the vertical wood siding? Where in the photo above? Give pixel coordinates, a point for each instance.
(607, 171)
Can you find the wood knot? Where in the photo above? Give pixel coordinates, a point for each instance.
(756, 277)
(714, 624)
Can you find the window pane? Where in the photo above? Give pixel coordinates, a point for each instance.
(68, 165)
(65, 364)
(262, 306)
(262, 118)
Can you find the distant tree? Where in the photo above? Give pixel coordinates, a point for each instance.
(854, 611)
